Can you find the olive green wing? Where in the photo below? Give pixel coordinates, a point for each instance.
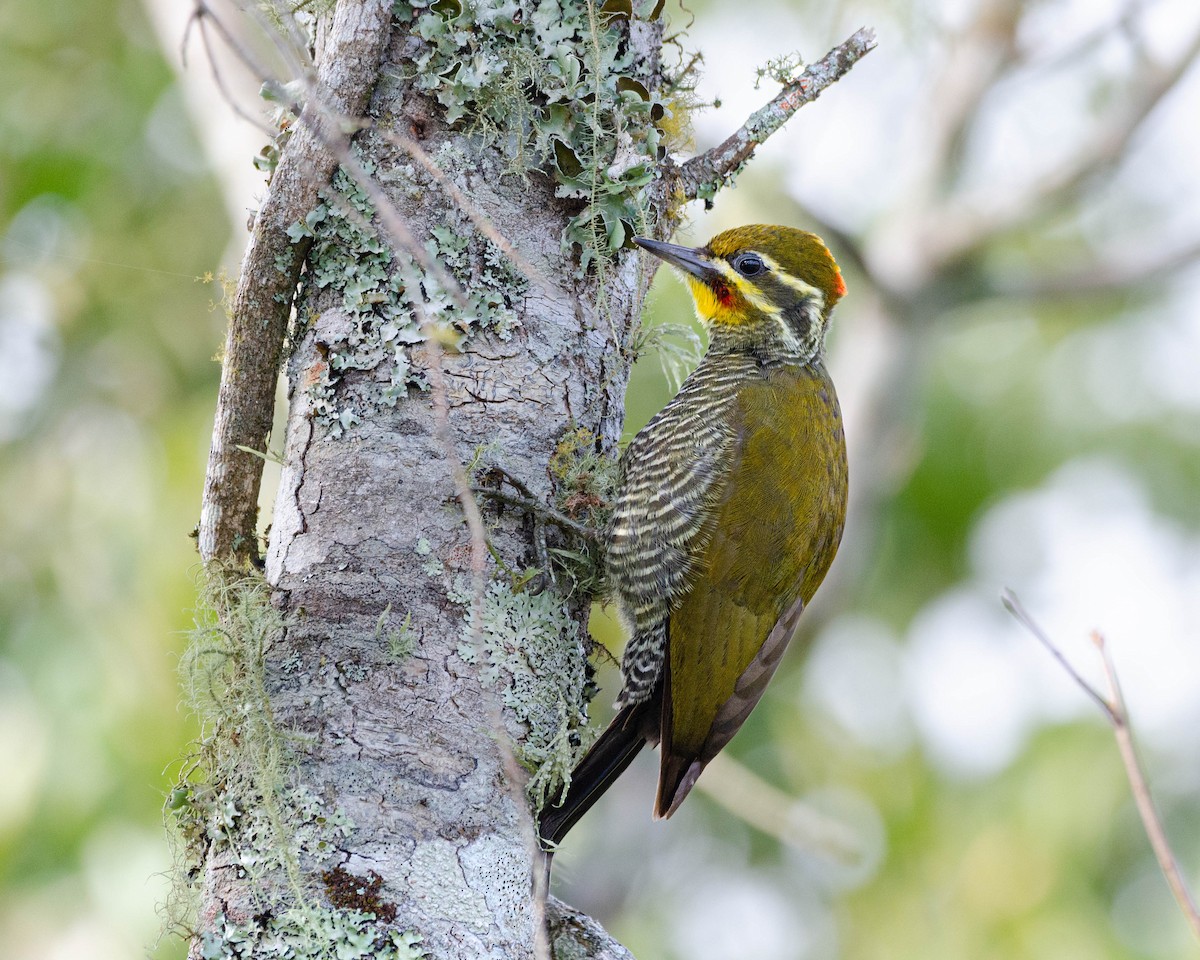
(773, 536)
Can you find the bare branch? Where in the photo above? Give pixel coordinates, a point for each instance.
(1106, 278)
(200, 19)
(1122, 25)
(263, 300)
(1141, 793)
(976, 57)
(1013, 605)
(767, 808)
(331, 127)
(1118, 716)
(714, 167)
(959, 231)
(262, 304)
(401, 239)
(552, 516)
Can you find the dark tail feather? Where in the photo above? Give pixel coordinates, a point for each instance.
(600, 766)
(677, 775)
(677, 772)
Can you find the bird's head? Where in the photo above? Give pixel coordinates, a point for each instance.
(759, 282)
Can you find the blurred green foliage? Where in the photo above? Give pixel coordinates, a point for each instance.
(1035, 855)
(108, 218)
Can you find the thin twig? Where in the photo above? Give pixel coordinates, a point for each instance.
(478, 218)
(1141, 792)
(1013, 605)
(515, 777)
(1118, 717)
(584, 532)
(400, 238)
(199, 18)
(280, 27)
(712, 168)
(332, 126)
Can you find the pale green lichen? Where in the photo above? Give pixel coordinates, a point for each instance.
(385, 296)
(782, 70)
(431, 566)
(527, 646)
(558, 86)
(316, 933)
(559, 83)
(585, 483)
(585, 480)
(235, 799)
(401, 641)
(234, 781)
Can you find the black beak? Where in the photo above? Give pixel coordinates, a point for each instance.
(685, 258)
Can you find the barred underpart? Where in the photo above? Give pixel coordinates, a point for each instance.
(672, 477)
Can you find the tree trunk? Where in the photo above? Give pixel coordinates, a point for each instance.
(410, 694)
(368, 531)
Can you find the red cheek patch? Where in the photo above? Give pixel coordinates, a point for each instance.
(724, 294)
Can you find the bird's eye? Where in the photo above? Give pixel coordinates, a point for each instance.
(749, 265)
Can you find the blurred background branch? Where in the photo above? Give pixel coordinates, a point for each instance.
(703, 175)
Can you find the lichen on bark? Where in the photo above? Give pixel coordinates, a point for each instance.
(426, 758)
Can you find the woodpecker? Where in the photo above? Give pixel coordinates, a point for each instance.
(730, 507)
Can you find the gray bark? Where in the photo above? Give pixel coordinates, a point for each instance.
(411, 751)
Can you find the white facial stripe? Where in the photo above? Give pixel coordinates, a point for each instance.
(786, 331)
(726, 270)
(804, 289)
